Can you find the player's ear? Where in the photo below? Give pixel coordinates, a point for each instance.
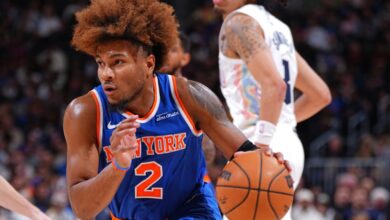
(150, 64)
(185, 60)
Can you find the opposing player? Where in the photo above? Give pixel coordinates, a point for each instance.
(178, 56)
(12, 200)
(134, 142)
(259, 69)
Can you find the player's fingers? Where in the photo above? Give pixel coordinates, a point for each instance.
(287, 165)
(238, 153)
(122, 144)
(130, 121)
(127, 125)
(126, 140)
(131, 118)
(131, 141)
(279, 157)
(265, 148)
(123, 133)
(268, 152)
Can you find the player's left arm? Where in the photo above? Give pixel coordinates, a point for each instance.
(245, 37)
(315, 93)
(209, 115)
(14, 201)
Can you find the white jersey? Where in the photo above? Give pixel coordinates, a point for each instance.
(241, 91)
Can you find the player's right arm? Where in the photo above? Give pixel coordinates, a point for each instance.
(315, 93)
(89, 191)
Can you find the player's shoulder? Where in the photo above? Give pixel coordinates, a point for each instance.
(81, 106)
(188, 87)
(237, 19)
(240, 24)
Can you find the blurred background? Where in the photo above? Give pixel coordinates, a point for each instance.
(347, 145)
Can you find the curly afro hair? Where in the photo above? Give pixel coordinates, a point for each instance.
(147, 23)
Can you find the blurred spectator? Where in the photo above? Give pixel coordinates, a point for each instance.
(324, 207)
(48, 23)
(341, 201)
(348, 180)
(360, 207)
(335, 147)
(304, 208)
(379, 199)
(58, 209)
(367, 147)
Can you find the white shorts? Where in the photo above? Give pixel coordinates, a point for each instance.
(286, 141)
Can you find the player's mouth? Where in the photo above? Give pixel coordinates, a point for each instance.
(109, 89)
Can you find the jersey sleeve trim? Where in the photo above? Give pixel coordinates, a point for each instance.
(182, 108)
(99, 117)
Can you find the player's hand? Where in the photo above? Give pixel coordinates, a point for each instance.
(123, 141)
(39, 215)
(267, 151)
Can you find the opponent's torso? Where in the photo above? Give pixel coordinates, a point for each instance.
(169, 162)
(241, 90)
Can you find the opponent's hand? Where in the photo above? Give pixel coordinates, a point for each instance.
(267, 150)
(38, 215)
(123, 141)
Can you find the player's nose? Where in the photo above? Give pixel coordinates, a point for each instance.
(107, 73)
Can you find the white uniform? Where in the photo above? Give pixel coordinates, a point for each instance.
(243, 93)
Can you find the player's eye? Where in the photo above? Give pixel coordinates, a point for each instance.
(118, 62)
(99, 63)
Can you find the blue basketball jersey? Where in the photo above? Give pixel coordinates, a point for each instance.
(169, 165)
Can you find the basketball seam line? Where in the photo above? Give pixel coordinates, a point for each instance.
(259, 185)
(261, 190)
(268, 195)
(247, 194)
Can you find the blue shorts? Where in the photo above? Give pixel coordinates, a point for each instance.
(203, 205)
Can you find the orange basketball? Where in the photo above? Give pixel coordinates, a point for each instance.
(254, 186)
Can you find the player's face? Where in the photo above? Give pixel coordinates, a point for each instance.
(226, 6)
(122, 70)
(175, 59)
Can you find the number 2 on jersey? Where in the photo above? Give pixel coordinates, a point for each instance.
(287, 99)
(144, 189)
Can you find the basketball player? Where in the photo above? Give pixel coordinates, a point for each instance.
(178, 56)
(259, 69)
(12, 200)
(134, 142)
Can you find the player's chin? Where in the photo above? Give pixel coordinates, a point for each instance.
(219, 10)
(114, 99)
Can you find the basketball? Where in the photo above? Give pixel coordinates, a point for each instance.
(254, 186)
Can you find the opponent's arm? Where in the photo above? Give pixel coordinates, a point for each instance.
(315, 93)
(209, 115)
(12, 200)
(89, 192)
(245, 37)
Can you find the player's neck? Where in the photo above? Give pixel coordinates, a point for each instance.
(142, 104)
(178, 72)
